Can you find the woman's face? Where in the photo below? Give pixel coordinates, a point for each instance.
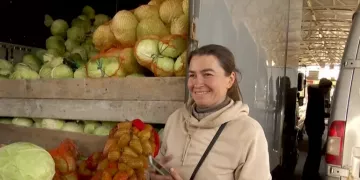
(207, 82)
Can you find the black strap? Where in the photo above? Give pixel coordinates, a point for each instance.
(203, 157)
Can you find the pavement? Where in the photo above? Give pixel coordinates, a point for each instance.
(302, 157)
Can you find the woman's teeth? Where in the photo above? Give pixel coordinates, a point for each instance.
(201, 92)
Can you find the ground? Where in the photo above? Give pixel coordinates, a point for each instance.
(302, 158)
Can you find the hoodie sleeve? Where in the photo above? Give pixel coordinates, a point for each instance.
(256, 165)
(163, 145)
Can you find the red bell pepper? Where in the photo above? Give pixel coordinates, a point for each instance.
(138, 124)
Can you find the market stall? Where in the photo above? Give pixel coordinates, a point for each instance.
(94, 72)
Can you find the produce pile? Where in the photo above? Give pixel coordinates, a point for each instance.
(125, 153)
(124, 157)
(151, 39)
(88, 127)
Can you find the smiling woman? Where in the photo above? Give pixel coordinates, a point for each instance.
(212, 136)
(212, 76)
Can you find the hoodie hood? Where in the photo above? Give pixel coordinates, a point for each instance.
(233, 111)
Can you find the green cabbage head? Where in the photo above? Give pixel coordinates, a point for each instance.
(22, 160)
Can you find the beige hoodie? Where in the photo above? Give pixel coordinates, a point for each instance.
(240, 153)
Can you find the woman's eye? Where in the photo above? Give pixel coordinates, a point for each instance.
(191, 75)
(208, 74)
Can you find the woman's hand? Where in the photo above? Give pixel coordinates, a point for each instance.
(174, 176)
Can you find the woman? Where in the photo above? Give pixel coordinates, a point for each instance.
(240, 152)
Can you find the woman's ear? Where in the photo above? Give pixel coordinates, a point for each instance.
(232, 79)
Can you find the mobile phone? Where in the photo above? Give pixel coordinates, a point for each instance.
(158, 167)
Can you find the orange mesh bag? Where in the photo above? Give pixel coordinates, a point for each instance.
(65, 157)
(170, 47)
(126, 150)
(143, 53)
(129, 62)
(103, 38)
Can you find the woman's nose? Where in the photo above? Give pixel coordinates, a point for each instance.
(198, 81)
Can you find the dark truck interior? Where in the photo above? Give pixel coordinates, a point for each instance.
(23, 20)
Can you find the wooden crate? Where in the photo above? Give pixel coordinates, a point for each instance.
(49, 139)
(151, 99)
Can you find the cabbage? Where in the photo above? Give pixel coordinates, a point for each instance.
(73, 127)
(21, 66)
(180, 25)
(51, 54)
(155, 3)
(129, 62)
(55, 62)
(83, 17)
(103, 38)
(102, 131)
(90, 126)
(56, 52)
(109, 124)
(151, 26)
(121, 72)
(88, 40)
(163, 66)
(32, 61)
(169, 10)
(71, 44)
(92, 54)
(3, 77)
(22, 71)
(77, 34)
(81, 51)
(52, 123)
(123, 25)
(37, 125)
(40, 54)
(172, 45)
(89, 12)
(80, 72)
(62, 71)
(101, 19)
(146, 11)
(88, 47)
(22, 160)
(59, 28)
(48, 20)
(6, 68)
(5, 120)
(77, 60)
(56, 42)
(103, 67)
(80, 23)
(23, 122)
(146, 50)
(180, 64)
(185, 7)
(45, 71)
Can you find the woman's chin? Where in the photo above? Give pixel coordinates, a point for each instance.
(202, 103)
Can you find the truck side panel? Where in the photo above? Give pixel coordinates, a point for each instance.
(228, 23)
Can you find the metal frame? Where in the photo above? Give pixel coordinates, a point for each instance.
(325, 28)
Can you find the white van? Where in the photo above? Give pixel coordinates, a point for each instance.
(343, 147)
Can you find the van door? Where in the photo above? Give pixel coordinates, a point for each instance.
(343, 147)
(231, 23)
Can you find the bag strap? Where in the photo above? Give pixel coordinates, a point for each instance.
(203, 157)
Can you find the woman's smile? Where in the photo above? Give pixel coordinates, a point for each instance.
(201, 92)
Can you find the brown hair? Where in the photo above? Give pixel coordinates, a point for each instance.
(226, 60)
(325, 83)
